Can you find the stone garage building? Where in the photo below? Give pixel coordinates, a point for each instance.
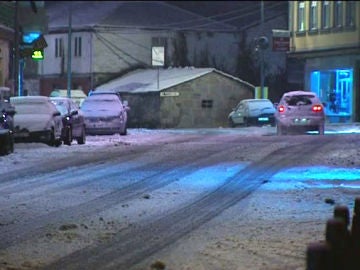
(179, 97)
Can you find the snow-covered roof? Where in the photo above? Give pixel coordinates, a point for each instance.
(154, 80)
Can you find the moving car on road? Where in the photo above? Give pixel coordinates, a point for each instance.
(300, 111)
(105, 114)
(256, 112)
(36, 120)
(72, 118)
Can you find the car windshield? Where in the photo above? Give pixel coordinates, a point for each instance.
(260, 104)
(101, 102)
(299, 100)
(60, 106)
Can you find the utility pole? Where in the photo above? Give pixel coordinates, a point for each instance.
(262, 52)
(69, 55)
(16, 50)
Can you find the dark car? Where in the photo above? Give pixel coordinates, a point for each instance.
(300, 111)
(253, 112)
(73, 120)
(6, 128)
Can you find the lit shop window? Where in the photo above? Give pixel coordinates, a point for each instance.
(334, 87)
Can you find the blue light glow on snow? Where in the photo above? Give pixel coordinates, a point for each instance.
(315, 177)
(210, 177)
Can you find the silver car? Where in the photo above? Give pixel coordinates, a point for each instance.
(300, 111)
(36, 120)
(257, 112)
(104, 114)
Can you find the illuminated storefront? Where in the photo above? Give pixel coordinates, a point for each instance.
(335, 89)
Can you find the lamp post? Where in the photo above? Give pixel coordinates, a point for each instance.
(16, 50)
(69, 55)
(262, 52)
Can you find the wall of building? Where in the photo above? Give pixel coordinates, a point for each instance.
(181, 106)
(323, 39)
(188, 109)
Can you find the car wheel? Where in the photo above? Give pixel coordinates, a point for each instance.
(279, 130)
(124, 131)
(246, 122)
(321, 129)
(82, 138)
(68, 138)
(231, 123)
(5, 147)
(53, 141)
(11, 144)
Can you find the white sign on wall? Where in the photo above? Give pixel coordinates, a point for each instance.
(169, 94)
(158, 56)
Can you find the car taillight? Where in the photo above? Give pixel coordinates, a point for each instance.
(281, 108)
(317, 108)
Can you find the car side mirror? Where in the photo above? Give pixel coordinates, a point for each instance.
(74, 112)
(56, 113)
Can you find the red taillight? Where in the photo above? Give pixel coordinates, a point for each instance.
(281, 108)
(317, 108)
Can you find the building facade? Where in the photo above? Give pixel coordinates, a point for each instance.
(109, 39)
(325, 42)
(6, 43)
(179, 97)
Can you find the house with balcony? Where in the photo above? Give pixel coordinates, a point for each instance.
(325, 54)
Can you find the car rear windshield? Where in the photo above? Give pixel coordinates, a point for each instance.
(299, 100)
(260, 104)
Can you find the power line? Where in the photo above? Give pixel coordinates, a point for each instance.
(172, 26)
(109, 43)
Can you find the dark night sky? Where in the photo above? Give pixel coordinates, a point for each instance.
(236, 13)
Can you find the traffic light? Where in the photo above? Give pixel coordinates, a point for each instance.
(38, 55)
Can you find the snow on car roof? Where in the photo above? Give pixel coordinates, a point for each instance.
(299, 92)
(29, 99)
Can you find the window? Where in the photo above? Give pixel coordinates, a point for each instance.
(158, 41)
(325, 15)
(206, 103)
(313, 16)
(338, 14)
(77, 50)
(350, 13)
(334, 87)
(301, 16)
(59, 47)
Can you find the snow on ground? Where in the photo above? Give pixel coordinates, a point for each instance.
(231, 241)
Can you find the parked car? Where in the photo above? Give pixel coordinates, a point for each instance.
(6, 128)
(300, 111)
(36, 120)
(256, 112)
(72, 118)
(105, 113)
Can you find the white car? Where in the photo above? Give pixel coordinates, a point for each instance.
(37, 120)
(105, 114)
(257, 112)
(300, 111)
